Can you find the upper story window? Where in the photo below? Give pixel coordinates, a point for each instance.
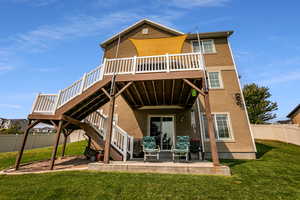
(215, 80)
(207, 46)
(222, 126)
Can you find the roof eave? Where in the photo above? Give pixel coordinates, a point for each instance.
(111, 39)
(293, 111)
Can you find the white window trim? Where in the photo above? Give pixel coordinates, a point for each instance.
(214, 46)
(231, 134)
(220, 80)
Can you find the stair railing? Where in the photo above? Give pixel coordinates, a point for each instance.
(143, 64)
(121, 140)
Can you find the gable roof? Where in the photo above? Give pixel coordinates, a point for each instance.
(293, 111)
(139, 23)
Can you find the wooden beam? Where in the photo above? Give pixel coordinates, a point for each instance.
(194, 86)
(110, 125)
(90, 109)
(211, 131)
(172, 91)
(89, 102)
(123, 88)
(146, 92)
(20, 154)
(138, 94)
(181, 91)
(163, 91)
(72, 121)
(53, 157)
(64, 145)
(106, 93)
(131, 97)
(154, 90)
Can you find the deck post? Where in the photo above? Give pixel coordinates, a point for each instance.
(58, 132)
(65, 144)
(19, 157)
(110, 123)
(211, 132)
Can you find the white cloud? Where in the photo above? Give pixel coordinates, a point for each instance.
(198, 3)
(14, 106)
(5, 68)
(282, 78)
(74, 27)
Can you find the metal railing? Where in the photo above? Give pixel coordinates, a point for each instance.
(145, 64)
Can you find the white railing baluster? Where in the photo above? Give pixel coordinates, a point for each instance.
(83, 83)
(167, 62)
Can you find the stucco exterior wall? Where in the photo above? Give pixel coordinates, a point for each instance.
(136, 122)
(222, 100)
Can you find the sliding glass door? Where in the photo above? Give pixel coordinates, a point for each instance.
(162, 127)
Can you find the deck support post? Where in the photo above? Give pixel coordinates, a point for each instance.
(58, 132)
(26, 133)
(211, 132)
(65, 144)
(110, 123)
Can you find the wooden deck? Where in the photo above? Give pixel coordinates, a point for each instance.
(167, 167)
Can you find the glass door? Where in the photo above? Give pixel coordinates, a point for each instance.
(162, 127)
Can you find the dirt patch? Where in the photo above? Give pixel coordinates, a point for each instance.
(61, 164)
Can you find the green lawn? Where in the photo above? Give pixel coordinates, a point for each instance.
(275, 175)
(9, 159)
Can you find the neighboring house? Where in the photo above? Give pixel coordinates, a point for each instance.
(294, 115)
(43, 130)
(160, 76)
(20, 124)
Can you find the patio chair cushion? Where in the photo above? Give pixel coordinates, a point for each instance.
(182, 144)
(149, 144)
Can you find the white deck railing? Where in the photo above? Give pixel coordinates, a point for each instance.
(121, 140)
(146, 64)
(150, 64)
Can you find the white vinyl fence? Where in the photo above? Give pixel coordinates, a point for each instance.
(281, 132)
(9, 143)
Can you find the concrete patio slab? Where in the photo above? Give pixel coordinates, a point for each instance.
(204, 168)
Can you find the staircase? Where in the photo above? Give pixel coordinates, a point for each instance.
(121, 143)
(83, 98)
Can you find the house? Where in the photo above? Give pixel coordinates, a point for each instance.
(19, 124)
(294, 115)
(155, 81)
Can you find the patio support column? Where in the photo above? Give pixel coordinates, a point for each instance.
(211, 131)
(58, 132)
(110, 123)
(20, 154)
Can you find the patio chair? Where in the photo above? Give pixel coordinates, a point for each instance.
(150, 148)
(181, 148)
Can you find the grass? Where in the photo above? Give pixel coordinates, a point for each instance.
(274, 175)
(9, 159)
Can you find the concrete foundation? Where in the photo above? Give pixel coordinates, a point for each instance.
(200, 168)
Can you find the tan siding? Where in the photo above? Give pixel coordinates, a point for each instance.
(296, 118)
(222, 100)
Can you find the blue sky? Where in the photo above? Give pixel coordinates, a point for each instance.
(45, 45)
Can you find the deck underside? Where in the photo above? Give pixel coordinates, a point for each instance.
(152, 89)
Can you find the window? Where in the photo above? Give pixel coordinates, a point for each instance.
(214, 79)
(208, 46)
(221, 125)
